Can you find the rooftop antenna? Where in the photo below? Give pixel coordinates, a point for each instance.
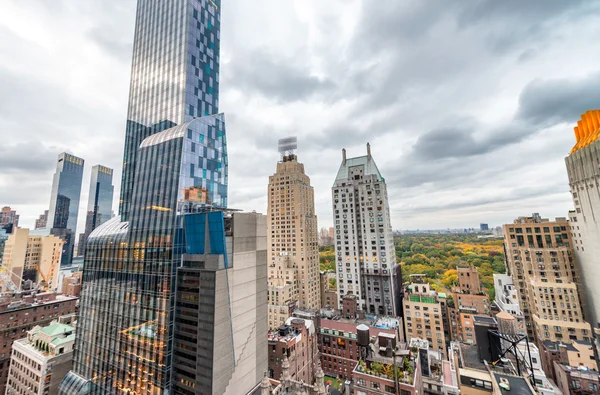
(287, 148)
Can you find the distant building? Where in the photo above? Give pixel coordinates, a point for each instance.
(100, 199)
(470, 300)
(41, 360)
(71, 286)
(22, 313)
(32, 257)
(576, 381)
(42, 220)
(423, 314)
(577, 355)
(295, 340)
(9, 216)
(483, 227)
(364, 244)
(329, 297)
(64, 202)
(540, 258)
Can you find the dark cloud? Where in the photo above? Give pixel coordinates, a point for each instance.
(283, 81)
(547, 102)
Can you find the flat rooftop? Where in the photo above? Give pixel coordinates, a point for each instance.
(518, 385)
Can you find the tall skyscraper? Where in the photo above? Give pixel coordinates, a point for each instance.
(174, 164)
(64, 202)
(294, 249)
(364, 245)
(100, 199)
(584, 173)
(539, 256)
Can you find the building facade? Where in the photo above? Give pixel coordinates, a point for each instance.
(583, 173)
(42, 220)
(40, 361)
(364, 246)
(175, 163)
(292, 237)
(296, 340)
(20, 314)
(8, 216)
(329, 297)
(423, 318)
(540, 257)
(100, 200)
(64, 202)
(33, 257)
(470, 299)
(219, 343)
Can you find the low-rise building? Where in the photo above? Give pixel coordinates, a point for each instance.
(22, 312)
(40, 361)
(338, 336)
(573, 380)
(296, 340)
(387, 367)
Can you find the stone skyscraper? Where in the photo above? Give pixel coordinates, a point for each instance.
(175, 163)
(100, 199)
(539, 256)
(64, 202)
(292, 238)
(584, 176)
(365, 256)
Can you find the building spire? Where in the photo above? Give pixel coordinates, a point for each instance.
(369, 150)
(344, 156)
(265, 385)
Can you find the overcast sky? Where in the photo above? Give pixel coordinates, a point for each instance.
(469, 106)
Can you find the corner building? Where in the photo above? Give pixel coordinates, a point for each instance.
(294, 249)
(364, 245)
(175, 163)
(584, 180)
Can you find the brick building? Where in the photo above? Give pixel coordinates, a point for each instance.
(296, 340)
(19, 314)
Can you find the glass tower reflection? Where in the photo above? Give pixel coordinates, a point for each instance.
(100, 201)
(175, 162)
(64, 201)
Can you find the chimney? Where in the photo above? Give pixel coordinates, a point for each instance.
(344, 156)
(369, 150)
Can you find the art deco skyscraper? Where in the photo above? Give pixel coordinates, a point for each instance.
(100, 199)
(365, 256)
(292, 237)
(584, 179)
(175, 162)
(64, 202)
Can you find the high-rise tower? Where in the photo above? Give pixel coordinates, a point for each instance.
(64, 202)
(292, 237)
(175, 163)
(584, 176)
(364, 245)
(100, 199)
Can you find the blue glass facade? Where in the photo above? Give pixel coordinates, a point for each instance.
(175, 164)
(64, 202)
(100, 200)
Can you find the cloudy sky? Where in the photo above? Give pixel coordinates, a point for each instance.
(468, 105)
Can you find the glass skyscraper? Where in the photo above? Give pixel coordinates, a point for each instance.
(100, 199)
(64, 202)
(175, 162)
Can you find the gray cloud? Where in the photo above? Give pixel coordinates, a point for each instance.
(259, 72)
(547, 102)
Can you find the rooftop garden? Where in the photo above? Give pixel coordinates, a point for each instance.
(405, 372)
